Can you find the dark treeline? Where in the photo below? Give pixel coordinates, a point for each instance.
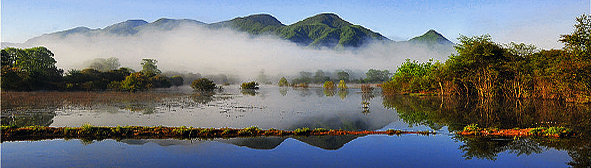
(488, 69)
(34, 69)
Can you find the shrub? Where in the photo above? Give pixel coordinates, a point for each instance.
(328, 85)
(249, 85)
(203, 85)
(342, 85)
(283, 82)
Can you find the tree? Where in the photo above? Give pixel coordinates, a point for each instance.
(342, 75)
(149, 67)
(160, 81)
(283, 82)
(102, 64)
(203, 85)
(135, 82)
(575, 62)
(35, 68)
(374, 76)
(320, 77)
(262, 78)
(579, 42)
(177, 80)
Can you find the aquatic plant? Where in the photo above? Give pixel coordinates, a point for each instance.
(250, 85)
(366, 88)
(283, 82)
(203, 85)
(342, 85)
(328, 85)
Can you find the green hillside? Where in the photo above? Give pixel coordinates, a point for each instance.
(431, 38)
(322, 30)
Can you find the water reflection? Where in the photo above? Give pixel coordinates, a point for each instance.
(323, 142)
(270, 107)
(457, 112)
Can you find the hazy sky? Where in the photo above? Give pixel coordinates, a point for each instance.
(538, 22)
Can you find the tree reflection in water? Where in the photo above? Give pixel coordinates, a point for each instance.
(457, 112)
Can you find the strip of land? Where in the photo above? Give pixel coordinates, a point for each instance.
(474, 130)
(13, 133)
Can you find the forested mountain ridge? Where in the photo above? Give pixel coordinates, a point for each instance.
(321, 30)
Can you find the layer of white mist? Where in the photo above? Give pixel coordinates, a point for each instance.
(198, 49)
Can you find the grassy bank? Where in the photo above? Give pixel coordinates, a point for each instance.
(474, 130)
(14, 133)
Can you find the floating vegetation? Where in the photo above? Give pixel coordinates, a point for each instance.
(87, 131)
(557, 132)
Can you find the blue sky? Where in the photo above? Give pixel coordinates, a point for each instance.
(538, 22)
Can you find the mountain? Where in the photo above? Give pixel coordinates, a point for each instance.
(321, 30)
(126, 28)
(431, 38)
(254, 24)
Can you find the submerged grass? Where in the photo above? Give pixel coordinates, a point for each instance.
(87, 131)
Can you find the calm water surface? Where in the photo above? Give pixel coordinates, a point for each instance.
(289, 108)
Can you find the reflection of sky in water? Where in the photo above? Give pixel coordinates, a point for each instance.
(282, 108)
(368, 151)
(271, 107)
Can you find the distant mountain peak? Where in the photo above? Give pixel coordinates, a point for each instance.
(330, 19)
(264, 19)
(431, 37)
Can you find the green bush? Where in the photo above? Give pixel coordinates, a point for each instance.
(283, 82)
(328, 85)
(249, 85)
(203, 85)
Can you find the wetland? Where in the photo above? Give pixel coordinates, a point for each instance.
(289, 108)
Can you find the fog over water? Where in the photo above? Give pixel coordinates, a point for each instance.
(198, 49)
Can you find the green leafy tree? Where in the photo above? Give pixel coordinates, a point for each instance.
(160, 81)
(149, 67)
(374, 76)
(30, 69)
(342, 75)
(135, 82)
(320, 77)
(575, 62)
(203, 85)
(579, 42)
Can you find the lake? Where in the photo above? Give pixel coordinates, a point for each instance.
(287, 109)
